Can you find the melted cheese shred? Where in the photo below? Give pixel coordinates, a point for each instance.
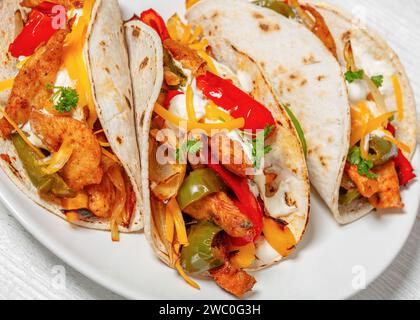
(75, 64)
(398, 97)
(6, 84)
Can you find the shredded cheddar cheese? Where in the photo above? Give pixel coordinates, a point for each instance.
(75, 63)
(169, 225)
(206, 127)
(398, 97)
(190, 104)
(6, 84)
(181, 231)
(388, 136)
(22, 63)
(190, 3)
(182, 273)
(110, 155)
(215, 113)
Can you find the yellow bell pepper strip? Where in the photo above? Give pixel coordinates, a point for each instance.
(398, 97)
(190, 3)
(80, 201)
(279, 237)
(209, 128)
(243, 256)
(182, 273)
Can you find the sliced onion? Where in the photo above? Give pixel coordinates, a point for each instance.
(59, 159)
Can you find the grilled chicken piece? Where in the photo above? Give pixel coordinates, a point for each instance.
(388, 196)
(232, 156)
(188, 57)
(84, 166)
(228, 277)
(30, 86)
(101, 198)
(367, 187)
(233, 280)
(219, 208)
(66, 3)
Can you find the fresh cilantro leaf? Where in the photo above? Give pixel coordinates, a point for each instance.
(191, 146)
(260, 138)
(363, 166)
(64, 98)
(352, 76)
(378, 80)
(354, 156)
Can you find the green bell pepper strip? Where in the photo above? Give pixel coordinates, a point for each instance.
(45, 184)
(381, 151)
(197, 185)
(199, 256)
(278, 6)
(299, 129)
(349, 197)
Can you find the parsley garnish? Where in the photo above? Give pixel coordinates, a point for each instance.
(352, 76)
(363, 166)
(64, 98)
(191, 146)
(378, 80)
(259, 139)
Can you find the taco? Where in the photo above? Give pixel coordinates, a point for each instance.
(303, 50)
(67, 130)
(224, 178)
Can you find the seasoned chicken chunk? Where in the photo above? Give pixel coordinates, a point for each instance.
(388, 196)
(188, 57)
(219, 208)
(101, 198)
(232, 279)
(367, 187)
(30, 86)
(84, 166)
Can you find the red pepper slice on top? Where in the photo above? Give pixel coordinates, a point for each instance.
(402, 164)
(38, 30)
(155, 21)
(240, 104)
(246, 201)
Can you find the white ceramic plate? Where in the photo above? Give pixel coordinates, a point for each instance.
(332, 262)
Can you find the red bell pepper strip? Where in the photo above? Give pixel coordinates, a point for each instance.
(246, 201)
(404, 168)
(240, 104)
(171, 94)
(38, 30)
(155, 21)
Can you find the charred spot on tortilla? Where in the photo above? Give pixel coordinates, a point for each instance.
(291, 202)
(136, 32)
(102, 44)
(215, 15)
(268, 28)
(6, 158)
(304, 82)
(119, 140)
(345, 37)
(322, 160)
(127, 100)
(144, 63)
(320, 77)
(257, 15)
(310, 60)
(107, 70)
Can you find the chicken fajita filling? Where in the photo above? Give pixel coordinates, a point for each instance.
(214, 199)
(52, 121)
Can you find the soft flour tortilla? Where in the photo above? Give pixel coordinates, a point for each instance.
(306, 76)
(303, 74)
(286, 158)
(374, 56)
(107, 62)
